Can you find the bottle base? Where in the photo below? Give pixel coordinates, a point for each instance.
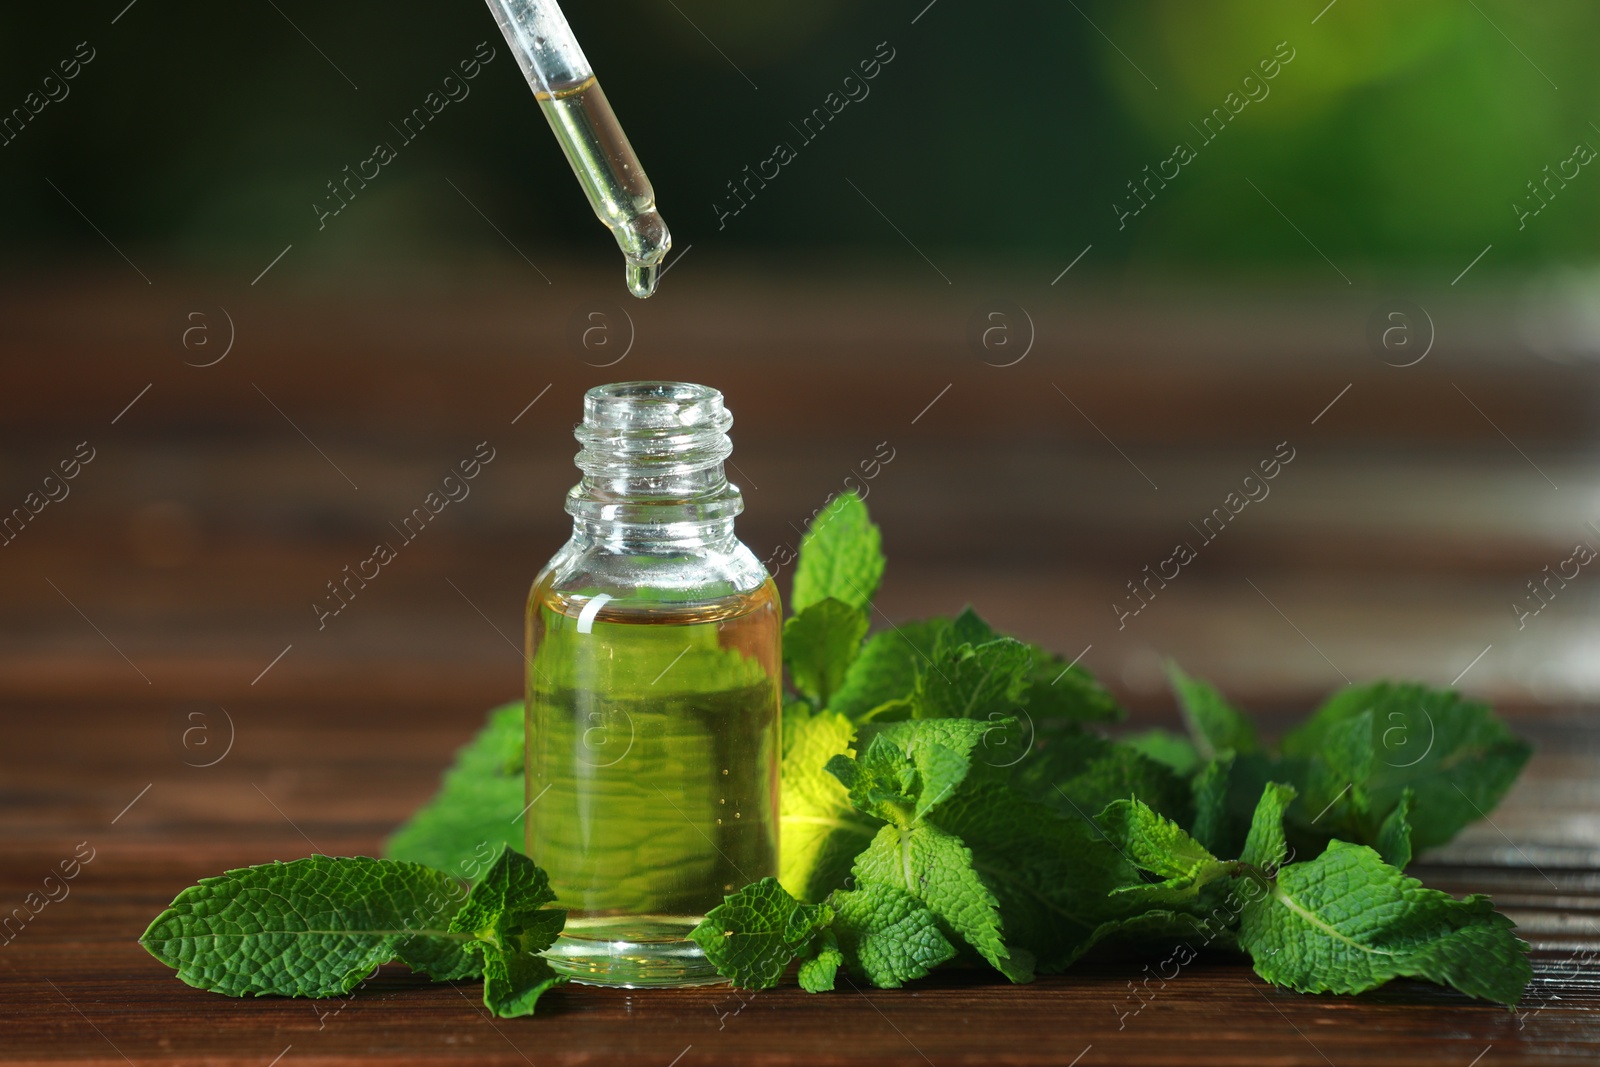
(637, 952)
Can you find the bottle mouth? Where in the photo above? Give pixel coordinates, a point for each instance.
(624, 406)
(653, 452)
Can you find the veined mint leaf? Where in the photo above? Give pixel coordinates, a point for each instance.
(1394, 834)
(1266, 847)
(1053, 876)
(887, 667)
(821, 830)
(507, 918)
(973, 681)
(886, 935)
(1335, 782)
(1226, 792)
(881, 782)
(1347, 922)
(312, 928)
(515, 975)
(1059, 690)
(819, 644)
(1214, 724)
(1209, 787)
(317, 927)
(934, 866)
(477, 807)
(1458, 759)
(840, 557)
(754, 933)
(1157, 844)
(958, 735)
(969, 628)
(940, 750)
(1079, 773)
(817, 974)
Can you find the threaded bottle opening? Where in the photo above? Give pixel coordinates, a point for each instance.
(653, 452)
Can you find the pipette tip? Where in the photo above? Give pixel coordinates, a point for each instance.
(642, 278)
(645, 242)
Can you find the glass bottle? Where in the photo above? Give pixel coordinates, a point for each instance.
(653, 682)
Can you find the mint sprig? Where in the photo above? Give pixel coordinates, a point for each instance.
(318, 927)
(1029, 855)
(948, 793)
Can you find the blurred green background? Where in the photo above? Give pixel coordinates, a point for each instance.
(1399, 135)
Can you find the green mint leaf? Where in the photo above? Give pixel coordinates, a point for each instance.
(477, 808)
(940, 751)
(1335, 781)
(1209, 788)
(1214, 724)
(311, 928)
(908, 768)
(1059, 690)
(507, 917)
(934, 866)
(1225, 792)
(1157, 926)
(1155, 843)
(514, 974)
(1394, 833)
(886, 670)
(1054, 878)
(881, 782)
(511, 887)
(840, 557)
(1167, 748)
(821, 830)
(1079, 773)
(969, 628)
(754, 933)
(817, 973)
(973, 681)
(887, 935)
(1456, 757)
(1265, 847)
(1347, 922)
(819, 644)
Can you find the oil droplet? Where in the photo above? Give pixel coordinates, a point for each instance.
(724, 772)
(736, 815)
(642, 278)
(719, 822)
(722, 800)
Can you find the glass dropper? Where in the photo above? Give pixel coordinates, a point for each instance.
(576, 107)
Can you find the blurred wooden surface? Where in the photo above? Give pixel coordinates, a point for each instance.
(177, 579)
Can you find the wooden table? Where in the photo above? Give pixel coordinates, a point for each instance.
(172, 590)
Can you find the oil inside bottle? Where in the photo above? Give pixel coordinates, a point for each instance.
(652, 745)
(611, 177)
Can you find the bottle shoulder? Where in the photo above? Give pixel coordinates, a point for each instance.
(585, 568)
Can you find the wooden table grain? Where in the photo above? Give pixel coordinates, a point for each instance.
(169, 705)
(304, 776)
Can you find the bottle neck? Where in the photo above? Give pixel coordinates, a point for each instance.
(652, 462)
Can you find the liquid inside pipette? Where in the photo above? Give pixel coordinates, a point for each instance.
(611, 176)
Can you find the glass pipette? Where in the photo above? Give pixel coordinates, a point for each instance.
(576, 106)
